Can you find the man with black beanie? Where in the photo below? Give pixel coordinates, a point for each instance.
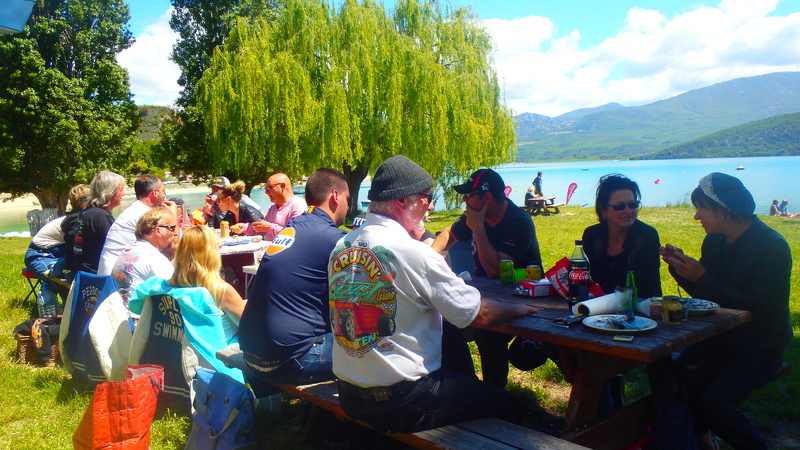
(388, 294)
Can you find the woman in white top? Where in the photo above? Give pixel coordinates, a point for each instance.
(197, 264)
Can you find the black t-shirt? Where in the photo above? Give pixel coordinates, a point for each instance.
(514, 235)
(88, 236)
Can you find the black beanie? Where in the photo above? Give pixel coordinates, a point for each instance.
(728, 192)
(398, 177)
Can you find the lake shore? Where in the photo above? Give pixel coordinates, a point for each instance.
(29, 201)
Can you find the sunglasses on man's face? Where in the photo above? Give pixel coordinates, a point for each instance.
(621, 206)
(169, 227)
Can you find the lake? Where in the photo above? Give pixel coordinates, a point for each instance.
(662, 182)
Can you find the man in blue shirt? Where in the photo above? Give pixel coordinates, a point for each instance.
(285, 330)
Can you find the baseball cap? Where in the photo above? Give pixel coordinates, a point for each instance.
(483, 180)
(219, 182)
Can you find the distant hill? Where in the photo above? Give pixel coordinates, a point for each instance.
(624, 132)
(776, 136)
(578, 113)
(151, 117)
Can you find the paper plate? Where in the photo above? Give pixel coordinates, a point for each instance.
(698, 307)
(615, 323)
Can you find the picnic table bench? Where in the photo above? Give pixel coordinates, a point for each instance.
(543, 205)
(490, 433)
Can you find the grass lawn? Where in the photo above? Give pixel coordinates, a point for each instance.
(41, 406)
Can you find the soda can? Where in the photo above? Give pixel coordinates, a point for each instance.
(506, 271)
(533, 273)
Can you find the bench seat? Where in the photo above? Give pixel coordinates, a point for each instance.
(478, 434)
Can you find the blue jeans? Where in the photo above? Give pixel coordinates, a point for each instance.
(39, 260)
(316, 366)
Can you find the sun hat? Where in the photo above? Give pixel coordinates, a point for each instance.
(728, 192)
(483, 180)
(398, 177)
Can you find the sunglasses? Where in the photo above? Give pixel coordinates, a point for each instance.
(272, 186)
(621, 206)
(169, 227)
(428, 197)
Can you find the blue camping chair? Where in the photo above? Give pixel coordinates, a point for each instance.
(78, 353)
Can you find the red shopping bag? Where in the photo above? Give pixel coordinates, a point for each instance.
(121, 412)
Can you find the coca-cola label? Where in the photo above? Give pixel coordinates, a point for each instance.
(579, 275)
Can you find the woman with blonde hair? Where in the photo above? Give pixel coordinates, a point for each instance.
(229, 199)
(197, 264)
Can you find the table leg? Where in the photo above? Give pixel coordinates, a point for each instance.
(236, 261)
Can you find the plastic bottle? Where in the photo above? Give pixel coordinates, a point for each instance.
(579, 275)
(47, 301)
(185, 221)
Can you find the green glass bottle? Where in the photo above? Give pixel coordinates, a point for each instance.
(630, 283)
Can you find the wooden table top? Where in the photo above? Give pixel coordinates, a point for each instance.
(646, 347)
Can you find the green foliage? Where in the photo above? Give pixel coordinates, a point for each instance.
(311, 86)
(65, 107)
(776, 136)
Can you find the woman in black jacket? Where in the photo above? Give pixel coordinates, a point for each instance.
(744, 265)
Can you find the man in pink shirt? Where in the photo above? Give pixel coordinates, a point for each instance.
(285, 206)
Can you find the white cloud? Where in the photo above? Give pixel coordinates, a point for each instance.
(652, 57)
(153, 76)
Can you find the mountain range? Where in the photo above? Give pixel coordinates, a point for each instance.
(614, 131)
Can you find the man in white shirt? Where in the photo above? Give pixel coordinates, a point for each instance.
(388, 295)
(155, 231)
(149, 193)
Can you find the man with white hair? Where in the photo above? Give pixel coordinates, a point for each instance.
(388, 295)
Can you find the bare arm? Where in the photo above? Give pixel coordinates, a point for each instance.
(494, 313)
(444, 240)
(232, 304)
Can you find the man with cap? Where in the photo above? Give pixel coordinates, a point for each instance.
(744, 265)
(285, 330)
(498, 230)
(388, 295)
(285, 206)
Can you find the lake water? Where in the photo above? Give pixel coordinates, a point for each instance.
(662, 182)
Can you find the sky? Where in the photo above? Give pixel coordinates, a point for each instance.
(555, 56)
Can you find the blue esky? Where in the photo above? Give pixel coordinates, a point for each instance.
(556, 56)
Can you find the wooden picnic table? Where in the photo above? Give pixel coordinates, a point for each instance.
(538, 205)
(588, 357)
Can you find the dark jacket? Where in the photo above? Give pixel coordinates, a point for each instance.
(751, 274)
(639, 253)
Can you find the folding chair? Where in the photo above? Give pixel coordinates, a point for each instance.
(33, 281)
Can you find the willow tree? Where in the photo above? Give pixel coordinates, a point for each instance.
(349, 87)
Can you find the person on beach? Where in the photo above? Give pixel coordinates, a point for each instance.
(537, 185)
(746, 265)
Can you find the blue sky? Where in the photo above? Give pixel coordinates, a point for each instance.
(556, 56)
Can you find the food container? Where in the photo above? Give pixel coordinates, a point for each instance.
(671, 310)
(224, 229)
(655, 308)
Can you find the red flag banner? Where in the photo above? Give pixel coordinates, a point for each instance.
(570, 190)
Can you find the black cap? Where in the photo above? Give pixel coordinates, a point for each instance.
(483, 180)
(398, 177)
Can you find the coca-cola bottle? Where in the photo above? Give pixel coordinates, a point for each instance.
(578, 275)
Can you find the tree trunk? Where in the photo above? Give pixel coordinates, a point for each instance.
(355, 175)
(50, 198)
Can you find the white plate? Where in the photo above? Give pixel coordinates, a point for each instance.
(698, 307)
(615, 323)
